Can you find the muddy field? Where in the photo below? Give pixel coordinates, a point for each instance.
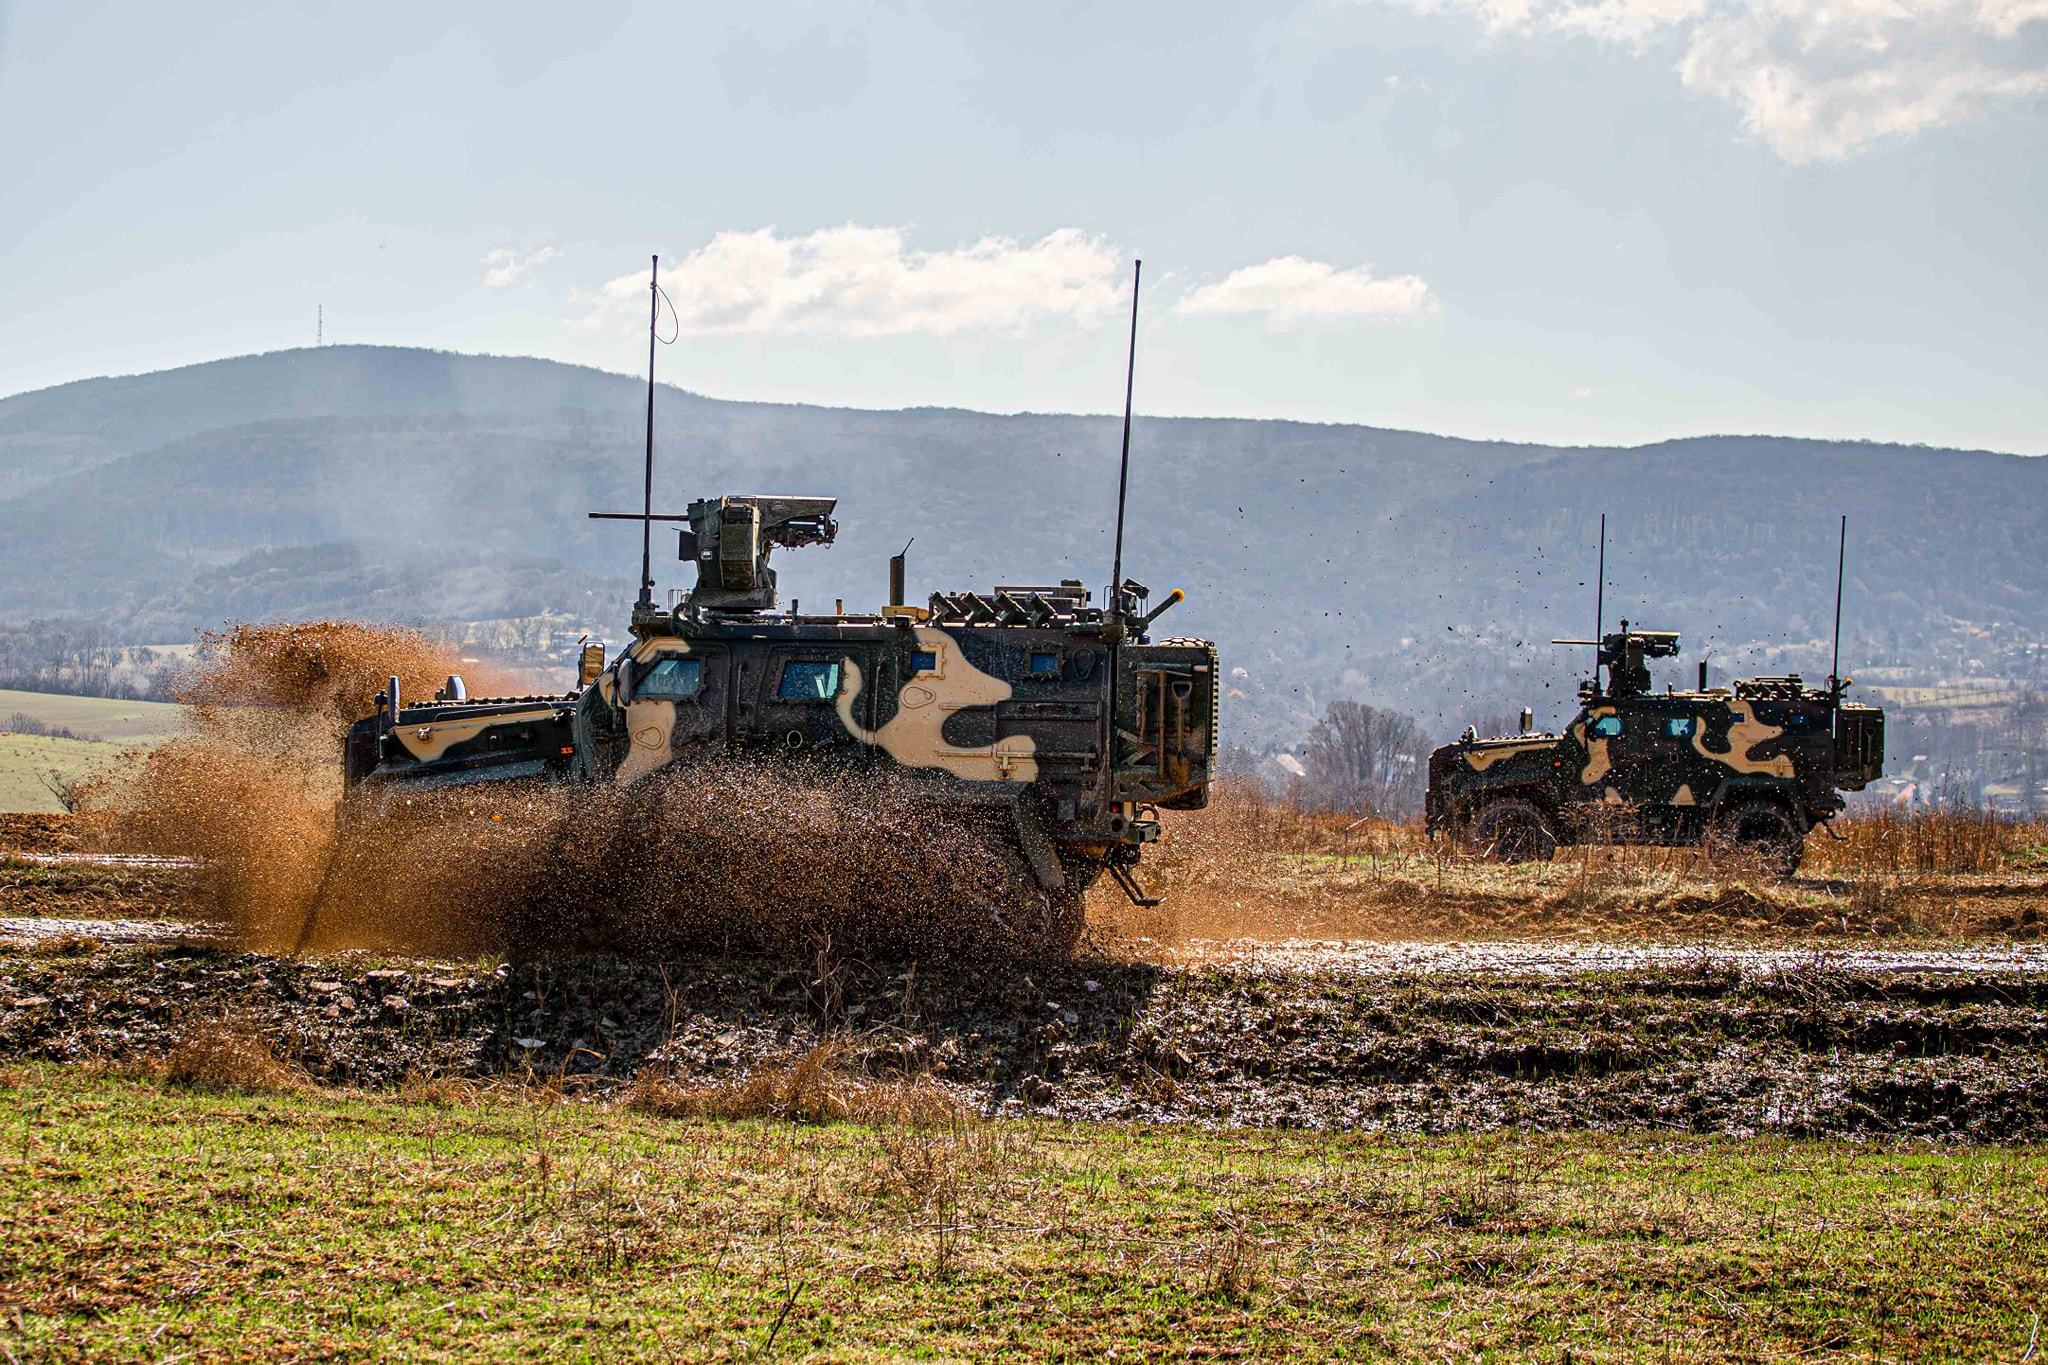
(1804, 1008)
(1872, 1043)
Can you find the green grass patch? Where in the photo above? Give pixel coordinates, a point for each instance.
(107, 718)
(28, 761)
(105, 727)
(146, 1222)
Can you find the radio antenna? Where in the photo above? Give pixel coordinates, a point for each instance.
(1123, 473)
(647, 495)
(1600, 600)
(1841, 561)
(1598, 642)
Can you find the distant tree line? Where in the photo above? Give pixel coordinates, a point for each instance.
(81, 659)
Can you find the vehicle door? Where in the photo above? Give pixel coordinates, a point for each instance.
(693, 684)
(1673, 771)
(797, 704)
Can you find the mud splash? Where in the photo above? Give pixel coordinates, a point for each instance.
(249, 791)
(727, 858)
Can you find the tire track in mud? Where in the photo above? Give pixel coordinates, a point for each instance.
(1862, 1043)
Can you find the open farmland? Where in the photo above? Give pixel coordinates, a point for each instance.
(34, 769)
(89, 734)
(113, 719)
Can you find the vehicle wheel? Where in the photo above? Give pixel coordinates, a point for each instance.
(1511, 830)
(1762, 830)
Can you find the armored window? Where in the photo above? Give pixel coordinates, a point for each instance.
(808, 680)
(924, 661)
(670, 679)
(1606, 727)
(1044, 663)
(1681, 727)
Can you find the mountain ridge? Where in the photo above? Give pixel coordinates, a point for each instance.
(1326, 558)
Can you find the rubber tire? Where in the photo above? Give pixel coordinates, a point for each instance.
(1761, 829)
(1512, 830)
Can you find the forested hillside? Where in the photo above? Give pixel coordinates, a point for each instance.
(1422, 571)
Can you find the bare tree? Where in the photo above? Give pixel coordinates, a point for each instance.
(1368, 760)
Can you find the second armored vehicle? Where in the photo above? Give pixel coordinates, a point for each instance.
(1755, 766)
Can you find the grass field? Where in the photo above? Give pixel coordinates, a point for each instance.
(118, 722)
(150, 1222)
(25, 760)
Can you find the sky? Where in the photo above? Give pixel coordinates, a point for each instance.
(1571, 221)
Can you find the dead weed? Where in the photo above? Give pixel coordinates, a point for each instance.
(824, 1085)
(231, 1057)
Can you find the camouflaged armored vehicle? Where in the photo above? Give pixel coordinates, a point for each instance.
(1028, 708)
(1755, 766)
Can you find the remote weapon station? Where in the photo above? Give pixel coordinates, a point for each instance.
(1055, 724)
(1754, 767)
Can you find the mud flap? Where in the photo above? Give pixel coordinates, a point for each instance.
(1037, 849)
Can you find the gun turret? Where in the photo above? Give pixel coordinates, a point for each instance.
(1623, 654)
(730, 539)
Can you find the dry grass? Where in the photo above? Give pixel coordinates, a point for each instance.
(1888, 842)
(230, 1057)
(65, 945)
(1252, 869)
(824, 1085)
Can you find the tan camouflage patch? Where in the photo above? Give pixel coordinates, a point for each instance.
(1598, 765)
(914, 736)
(1744, 735)
(428, 742)
(1482, 759)
(652, 725)
(1685, 796)
(657, 644)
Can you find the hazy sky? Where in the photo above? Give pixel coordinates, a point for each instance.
(1560, 220)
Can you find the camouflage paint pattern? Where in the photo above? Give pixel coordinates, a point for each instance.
(1021, 693)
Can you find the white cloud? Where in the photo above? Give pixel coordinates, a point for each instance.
(867, 282)
(1817, 80)
(1292, 289)
(505, 266)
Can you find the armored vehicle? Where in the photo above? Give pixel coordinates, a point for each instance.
(1028, 708)
(1755, 766)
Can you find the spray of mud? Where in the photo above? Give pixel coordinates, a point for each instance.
(249, 790)
(723, 857)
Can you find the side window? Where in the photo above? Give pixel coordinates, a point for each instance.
(671, 679)
(1681, 727)
(808, 680)
(924, 661)
(1606, 727)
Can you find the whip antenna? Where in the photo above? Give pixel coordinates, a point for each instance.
(647, 496)
(1600, 586)
(1841, 561)
(1123, 473)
